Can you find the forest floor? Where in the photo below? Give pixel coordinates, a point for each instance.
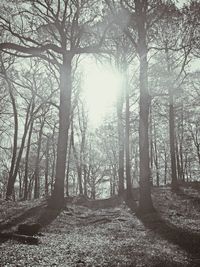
(79, 236)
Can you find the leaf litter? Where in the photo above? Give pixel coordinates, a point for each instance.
(80, 236)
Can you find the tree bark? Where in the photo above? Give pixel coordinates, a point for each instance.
(53, 160)
(156, 157)
(166, 165)
(121, 143)
(78, 165)
(37, 163)
(85, 180)
(151, 144)
(47, 168)
(27, 162)
(145, 200)
(174, 184)
(12, 179)
(177, 159)
(172, 144)
(127, 145)
(181, 144)
(68, 166)
(15, 136)
(57, 198)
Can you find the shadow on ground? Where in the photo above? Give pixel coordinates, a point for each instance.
(14, 221)
(193, 198)
(48, 216)
(40, 214)
(187, 240)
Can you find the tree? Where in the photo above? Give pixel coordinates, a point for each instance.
(57, 36)
(28, 92)
(174, 42)
(15, 136)
(145, 202)
(37, 159)
(137, 25)
(123, 57)
(25, 196)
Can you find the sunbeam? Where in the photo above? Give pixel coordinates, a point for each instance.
(101, 86)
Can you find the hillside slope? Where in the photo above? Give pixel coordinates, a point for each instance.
(80, 236)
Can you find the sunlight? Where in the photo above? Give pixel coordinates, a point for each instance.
(101, 86)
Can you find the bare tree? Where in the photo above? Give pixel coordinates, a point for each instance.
(63, 34)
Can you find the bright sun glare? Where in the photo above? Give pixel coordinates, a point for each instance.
(101, 86)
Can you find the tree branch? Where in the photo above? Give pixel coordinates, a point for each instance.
(36, 51)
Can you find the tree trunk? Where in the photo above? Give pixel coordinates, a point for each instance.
(127, 145)
(177, 160)
(37, 162)
(12, 179)
(93, 190)
(156, 157)
(181, 145)
(174, 184)
(85, 180)
(30, 186)
(172, 143)
(15, 138)
(114, 172)
(151, 145)
(78, 164)
(186, 167)
(181, 161)
(20, 184)
(80, 180)
(136, 171)
(54, 160)
(68, 165)
(57, 198)
(145, 200)
(165, 163)
(27, 162)
(47, 168)
(121, 143)
(190, 172)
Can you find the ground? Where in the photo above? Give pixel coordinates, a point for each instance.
(79, 236)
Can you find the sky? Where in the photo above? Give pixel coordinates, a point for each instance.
(101, 84)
